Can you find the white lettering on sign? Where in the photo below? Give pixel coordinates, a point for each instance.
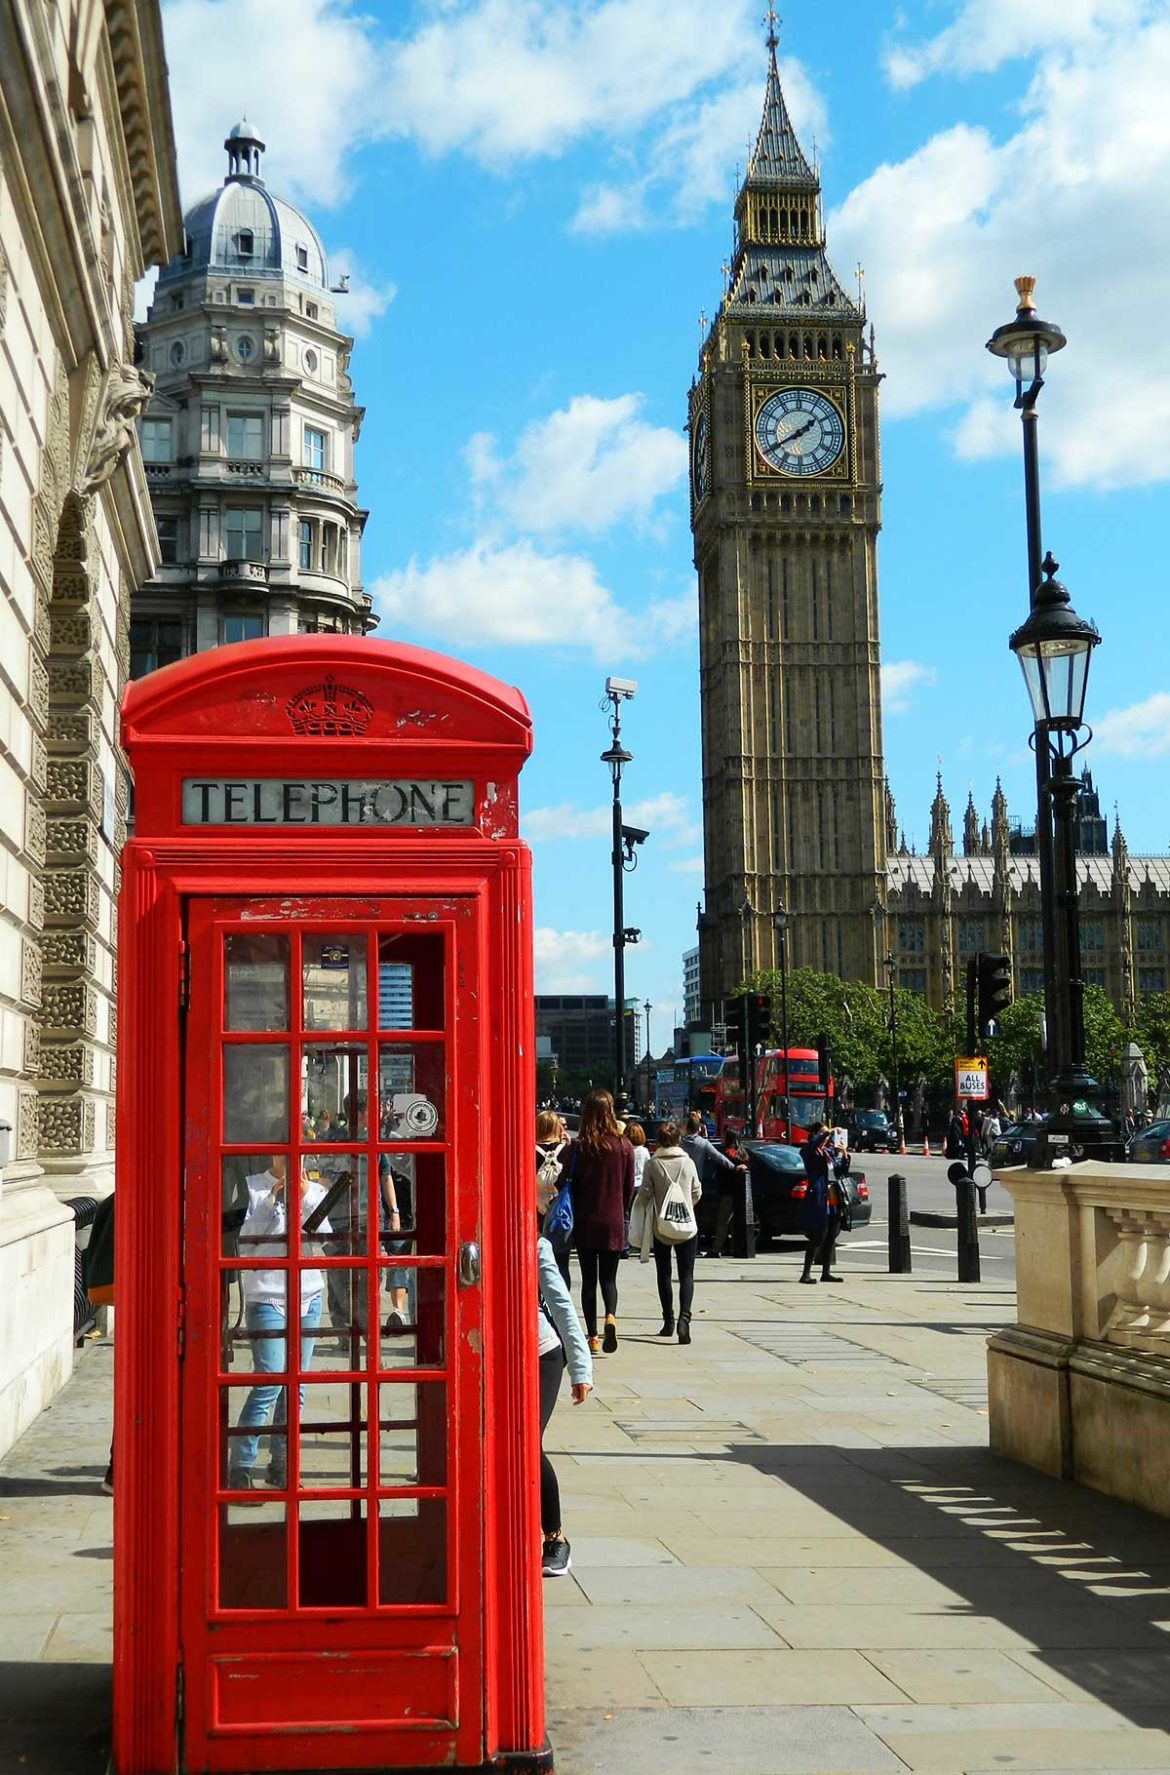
(275, 801)
(971, 1078)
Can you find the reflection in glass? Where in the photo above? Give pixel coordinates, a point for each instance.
(335, 1092)
(256, 1093)
(417, 1181)
(255, 981)
(253, 1555)
(412, 1434)
(411, 1090)
(412, 1550)
(266, 1294)
(333, 1435)
(410, 981)
(417, 1341)
(334, 978)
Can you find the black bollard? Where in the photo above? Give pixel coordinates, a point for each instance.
(899, 1212)
(968, 1235)
(743, 1220)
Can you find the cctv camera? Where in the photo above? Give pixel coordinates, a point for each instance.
(631, 934)
(635, 834)
(620, 688)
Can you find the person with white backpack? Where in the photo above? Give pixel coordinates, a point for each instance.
(669, 1193)
(552, 1150)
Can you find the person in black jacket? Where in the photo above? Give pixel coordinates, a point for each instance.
(99, 1282)
(822, 1204)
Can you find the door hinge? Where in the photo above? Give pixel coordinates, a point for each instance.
(181, 1324)
(184, 973)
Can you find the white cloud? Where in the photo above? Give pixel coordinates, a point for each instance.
(506, 595)
(666, 816)
(673, 619)
(504, 80)
(364, 302)
(570, 961)
(1141, 731)
(989, 32)
(305, 72)
(593, 464)
(612, 209)
(943, 233)
(900, 678)
(686, 866)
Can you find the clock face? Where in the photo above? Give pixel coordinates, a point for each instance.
(799, 432)
(700, 458)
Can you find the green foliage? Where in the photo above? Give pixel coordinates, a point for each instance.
(1152, 1031)
(856, 1020)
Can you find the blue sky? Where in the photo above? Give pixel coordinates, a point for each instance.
(533, 199)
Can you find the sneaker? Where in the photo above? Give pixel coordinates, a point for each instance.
(108, 1481)
(277, 1478)
(555, 1560)
(609, 1341)
(395, 1323)
(243, 1479)
(595, 1346)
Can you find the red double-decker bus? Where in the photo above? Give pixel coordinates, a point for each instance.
(810, 1098)
(729, 1105)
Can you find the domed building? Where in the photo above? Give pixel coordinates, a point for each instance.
(249, 438)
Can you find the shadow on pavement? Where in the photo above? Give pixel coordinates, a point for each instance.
(1084, 1579)
(56, 1718)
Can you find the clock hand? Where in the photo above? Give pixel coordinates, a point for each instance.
(793, 435)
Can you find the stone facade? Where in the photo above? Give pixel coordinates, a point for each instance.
(249, 436)
(785, 509)
(88, 199)
(947, 905)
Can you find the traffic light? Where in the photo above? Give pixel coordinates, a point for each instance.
(759, 1017)
(733, 1023)
(994, 989)
(824, 1062)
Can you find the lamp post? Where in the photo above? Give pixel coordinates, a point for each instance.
(780, 921)
(891, 967)
(1054, 647)
(625, 839)
(648, 1007)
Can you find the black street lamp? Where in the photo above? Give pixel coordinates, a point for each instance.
(625, 841)
(891, 966)
(1054, 647)
(781, 919)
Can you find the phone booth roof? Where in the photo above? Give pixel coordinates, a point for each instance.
(304, 712)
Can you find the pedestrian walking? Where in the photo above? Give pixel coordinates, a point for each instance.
(552, 1152)
(602, 1174)
(716, 1172)
(669, 1170)
(825, 1203)
(560, 1341)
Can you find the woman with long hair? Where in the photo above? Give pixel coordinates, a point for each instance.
(602, 1171)
(553, 1146)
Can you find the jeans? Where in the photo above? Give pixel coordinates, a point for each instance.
(268, 1357)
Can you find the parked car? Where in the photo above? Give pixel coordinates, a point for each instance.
(870, 1132)
(779, 1182)
(1015, 1144)
(1150, 1146)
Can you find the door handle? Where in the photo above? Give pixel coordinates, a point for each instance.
(469, 1265)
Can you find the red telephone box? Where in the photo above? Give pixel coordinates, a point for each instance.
(327, 1515)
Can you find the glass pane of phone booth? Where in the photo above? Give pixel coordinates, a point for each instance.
(333, 1463)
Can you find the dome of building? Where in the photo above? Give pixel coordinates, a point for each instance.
(245, 229)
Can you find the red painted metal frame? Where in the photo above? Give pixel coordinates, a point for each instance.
(225, 713)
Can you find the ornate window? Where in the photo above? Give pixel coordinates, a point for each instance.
(1092, 933)
(168, 539)
(1032, 936)
(913, 979)
(245, 436)
(154, 641)
(1149, 933)
(305, 544)
(156, 440)
(1094, 977)
(970, 936)
(1031, 981)
(1151, 980)
(912, 935)
(243, 533)
(247, 626)
(316, 448)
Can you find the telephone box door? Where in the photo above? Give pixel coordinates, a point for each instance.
(332, 1392)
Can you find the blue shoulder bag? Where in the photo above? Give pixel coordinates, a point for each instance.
(558, 1222)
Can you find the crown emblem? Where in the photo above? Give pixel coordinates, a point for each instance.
(329, 711)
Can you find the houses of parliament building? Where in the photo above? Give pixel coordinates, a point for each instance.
(785, 490)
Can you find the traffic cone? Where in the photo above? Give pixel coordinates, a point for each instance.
(925, 1146)
(902, 1148)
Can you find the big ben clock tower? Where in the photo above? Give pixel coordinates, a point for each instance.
(785, 509)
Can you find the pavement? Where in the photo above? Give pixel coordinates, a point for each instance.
(792, 1552)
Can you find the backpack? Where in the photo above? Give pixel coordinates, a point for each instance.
(548, 1172)
(675, 1221)
(558, 1222)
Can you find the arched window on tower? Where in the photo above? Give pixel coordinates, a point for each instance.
(245, 243)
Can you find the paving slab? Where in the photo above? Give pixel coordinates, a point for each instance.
(720, 1741)
(934, 1675)
(754, 1679)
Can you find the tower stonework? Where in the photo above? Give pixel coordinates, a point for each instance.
(785, 511)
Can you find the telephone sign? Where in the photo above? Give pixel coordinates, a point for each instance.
(971, 1078)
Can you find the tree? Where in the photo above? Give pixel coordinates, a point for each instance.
(1019, 1046)
(1151, 1032)
(855, 1019)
